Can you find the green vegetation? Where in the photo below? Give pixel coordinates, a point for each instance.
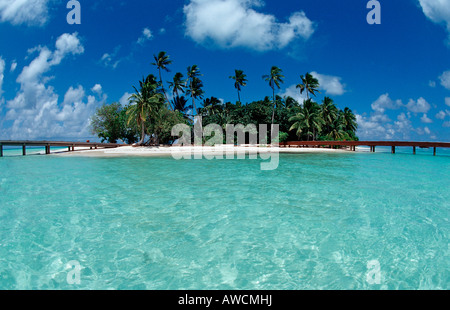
(150, 115)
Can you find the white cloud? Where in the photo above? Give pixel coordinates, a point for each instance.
(331, 84)
(419, 106)
(74, 95)
(374, 127)
(446, 124)
(441, 115)
(425, 119)
(234, 23)
(13, 66)
(97, 89)
(445, 79)
(432, 84)
(384, 103)
(437, 11)
(124, 99)
(378, 125)
(30, 12)
(67, 44)
(424, 131)
(2, 69)
(146, 36)
(293, 92)
(35, 111)
(109, 59)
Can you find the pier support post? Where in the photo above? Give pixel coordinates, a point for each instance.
(434, 151)
(24, 150)
(68, 148)
(414, 150)
(47, 149)
(393, 150)
(1, 150)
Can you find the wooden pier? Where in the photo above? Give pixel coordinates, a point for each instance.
(372, 144)
(48, 144)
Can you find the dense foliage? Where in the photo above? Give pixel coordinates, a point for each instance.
(150, 115)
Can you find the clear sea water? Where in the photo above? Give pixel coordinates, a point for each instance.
(157, 223)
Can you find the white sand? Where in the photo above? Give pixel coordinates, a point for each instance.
(186, 150)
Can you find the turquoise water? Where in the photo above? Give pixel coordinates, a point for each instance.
(158, 223)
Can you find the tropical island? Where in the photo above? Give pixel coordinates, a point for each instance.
(156, 106)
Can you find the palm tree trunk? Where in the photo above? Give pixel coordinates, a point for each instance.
(142, 134)
(273, 112)
(239, 96)
(164, 91)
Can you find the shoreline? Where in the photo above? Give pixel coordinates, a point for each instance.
(163, 151)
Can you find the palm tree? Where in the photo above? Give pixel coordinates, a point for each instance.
(328, 112)
(336, 130)
(144, 102)
(195, 84)
(309, 84)
(239, 81)
(349, 121)
(290, 102)
(275, 78)
(212, 106)
(161, 62)
(308, 121)
(180, 104)
(178, 84)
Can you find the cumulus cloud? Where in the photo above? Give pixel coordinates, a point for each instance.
(378, 125)
(445, 79)
(13, 66)
(419, 106)
(2, 69)
(235, 23)
(97, 89)
(293, 92)
(124, 99)
(330, 84)
(29, 12)
(437, 11)
(441, 115)
(425, 119)
(146, 36)
(384, 103)
(447, 101)
(36, 112)
(32, 83)
(110, 59)
(67, 44)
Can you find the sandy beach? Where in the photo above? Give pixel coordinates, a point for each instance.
(186, 150)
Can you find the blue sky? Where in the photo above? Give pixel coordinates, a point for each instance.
(395, 76)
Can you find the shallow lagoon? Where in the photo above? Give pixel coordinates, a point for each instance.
(158, 223)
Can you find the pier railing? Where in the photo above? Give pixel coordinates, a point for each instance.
(48, 144)
(372, 144)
